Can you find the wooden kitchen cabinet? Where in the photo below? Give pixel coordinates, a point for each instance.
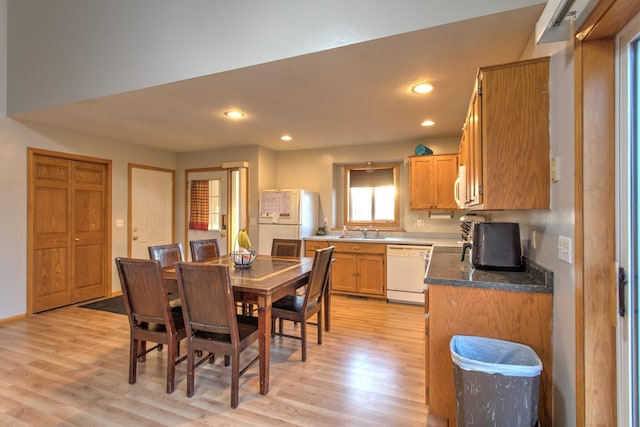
(310, 247)
(505, 140)
(522, 317)
(431, 181)
(359, 269)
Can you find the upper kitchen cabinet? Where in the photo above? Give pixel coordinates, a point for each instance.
(431, 181)
(505, 142)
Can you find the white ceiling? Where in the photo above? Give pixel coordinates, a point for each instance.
(358, 94)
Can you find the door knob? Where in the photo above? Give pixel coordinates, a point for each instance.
(134, 238)
(135, 229)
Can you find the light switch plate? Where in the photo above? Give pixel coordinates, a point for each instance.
(565, 249)
(119, 222)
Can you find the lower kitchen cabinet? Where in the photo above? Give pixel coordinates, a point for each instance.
(522, 317)
(310, 247)
(359, 269)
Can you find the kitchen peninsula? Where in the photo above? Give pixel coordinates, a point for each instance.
(461, 300)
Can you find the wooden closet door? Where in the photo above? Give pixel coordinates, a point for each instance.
(68, 234)
(88, 231)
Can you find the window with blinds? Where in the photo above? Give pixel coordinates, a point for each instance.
(371, 195)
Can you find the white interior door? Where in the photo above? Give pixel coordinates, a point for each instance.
(152, 209)
(218, 228)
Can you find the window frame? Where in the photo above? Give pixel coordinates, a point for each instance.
(214, 212)
(347, 195)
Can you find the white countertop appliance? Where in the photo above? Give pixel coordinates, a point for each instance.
(286, 214)
(406, 265)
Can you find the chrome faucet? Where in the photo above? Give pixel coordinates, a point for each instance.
(364, 230)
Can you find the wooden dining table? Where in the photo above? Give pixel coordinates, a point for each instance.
(265, 281)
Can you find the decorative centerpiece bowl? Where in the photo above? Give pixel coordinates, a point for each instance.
(243, 259)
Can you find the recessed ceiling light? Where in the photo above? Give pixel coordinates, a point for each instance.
(234, 114)
(286, 138)
(428, 123)
(422, 88)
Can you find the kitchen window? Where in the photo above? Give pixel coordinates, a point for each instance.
(371, 195)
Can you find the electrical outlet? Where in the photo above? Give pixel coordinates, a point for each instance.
(532, 239)
(421, 223)
(119, 222)
(565, 251)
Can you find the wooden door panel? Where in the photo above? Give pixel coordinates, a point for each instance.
(446, 169)
(421, 185)
(371, 274)
(50, 278)
(68, 215)
(88, 274)
(52, 204)
(51, 233)
(343, 273)
(88, 231)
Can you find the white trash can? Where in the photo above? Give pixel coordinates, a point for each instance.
(497, 382)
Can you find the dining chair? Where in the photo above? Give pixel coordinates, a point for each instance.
(286, 248)
(151, 318)
(168, 254)
(205, 249)
(299, 308)
(212, 322)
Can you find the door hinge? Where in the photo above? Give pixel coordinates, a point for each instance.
(426, 330)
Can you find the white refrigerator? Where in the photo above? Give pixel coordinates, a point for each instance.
(286, 214)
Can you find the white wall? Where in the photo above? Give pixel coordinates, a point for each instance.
(313, 170)
(3, 58)
(70, 50)
(15, 138)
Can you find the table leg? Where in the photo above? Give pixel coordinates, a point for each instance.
(264, 343)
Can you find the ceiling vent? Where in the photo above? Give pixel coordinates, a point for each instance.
(560, 18)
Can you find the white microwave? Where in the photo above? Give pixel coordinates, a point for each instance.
(460, 187)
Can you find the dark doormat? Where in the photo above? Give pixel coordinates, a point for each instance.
(113, 305)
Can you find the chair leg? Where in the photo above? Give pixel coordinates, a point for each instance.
(280, 326)
(235, 378)
(320, 326)
(303, 335)
(143, 351)
(191, 357)
(133, 360)
(171, 365)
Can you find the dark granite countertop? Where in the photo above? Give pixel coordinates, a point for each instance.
(445, 268)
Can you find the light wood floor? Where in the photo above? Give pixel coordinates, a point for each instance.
(68, 367)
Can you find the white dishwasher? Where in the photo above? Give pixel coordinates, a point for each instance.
(405, 272)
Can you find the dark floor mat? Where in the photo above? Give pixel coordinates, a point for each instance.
(113, 305)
